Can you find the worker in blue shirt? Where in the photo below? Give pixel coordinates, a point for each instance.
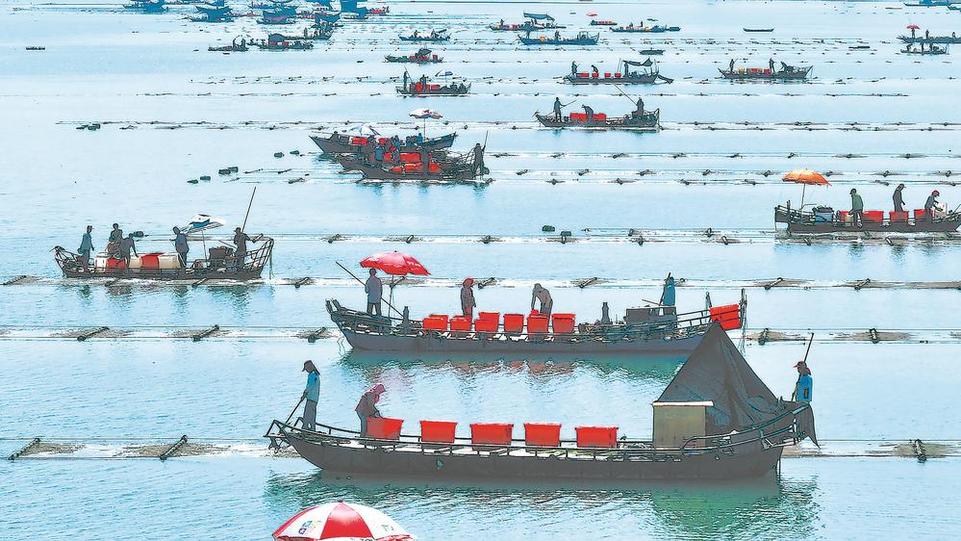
(804, 388)
(311, 395)
(668, 296)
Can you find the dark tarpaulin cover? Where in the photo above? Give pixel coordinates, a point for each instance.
(647, 63)
(538, 16)
(717, 371)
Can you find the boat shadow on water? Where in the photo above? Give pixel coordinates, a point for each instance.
(656, 367)
(769, 506)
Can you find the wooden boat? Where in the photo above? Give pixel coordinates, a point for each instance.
(939, 40)
(733, 427)
(422, 56)
(657, 329)
(147, 6)
(650, 74)
(219, 263)
(582, 38)
(602, 22)
(535, 21)
(434, 37)
(649, 121)
(641, 29)
(651, 52)
(318, 34)
(234, 47)
(213, 13)
(826, 220)
(758, 29)
(419, 88)
(443, 167)
(347, 144)
(278, 42)
(786, 73)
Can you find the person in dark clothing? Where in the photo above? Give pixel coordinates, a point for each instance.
(557, 109)
(542, 295)
(478, 159)
(86, 246)
(595, 71)
(589, 111)
(931, 205)
(367, 406)
(639, 111)
(731, 66)
(374, 288)
(180, 245)
(240, 242)
(127, 246)
(899, 198)
(573, 69)
(467, 302)
(857, 209)
(770, 64)
(113, 241)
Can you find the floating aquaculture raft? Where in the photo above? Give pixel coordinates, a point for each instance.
(826, 220)
(715, 420)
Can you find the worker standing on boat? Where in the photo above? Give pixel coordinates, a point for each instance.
(113, 241)
(668, 296)
(732, 66)
(804, 388)
(180, 245)
(931, 205)
(542, 295)
(375, 291)
(899, 198)
(857, 209)
(126, 247)
(595, 71)
(557, 109)
(86, 246)
(770, 64)
(367, 406)
(639, 110)
(589, 111)
(573, 71)
(311, 396)
(478, 159)
(467, 302)
(240, 242)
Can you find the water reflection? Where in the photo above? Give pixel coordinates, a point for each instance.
(656, 368)
(768, 507)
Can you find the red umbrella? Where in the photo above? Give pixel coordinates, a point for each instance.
(394, 263)
(913, 27)
(343, 521)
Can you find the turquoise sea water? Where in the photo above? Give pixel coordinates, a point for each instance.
(149, 79)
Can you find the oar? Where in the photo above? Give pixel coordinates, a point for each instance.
(634, 101)
(293, 411)
(361, 282)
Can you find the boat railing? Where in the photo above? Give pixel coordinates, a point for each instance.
(779, 435)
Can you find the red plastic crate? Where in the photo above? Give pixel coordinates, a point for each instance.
(842, 216)
(542, 434)
(460, 323)
(596, 436)
(486, 325)
(617, 75)
(601, 117)
(358, 141)
(920, 214)
(607, 75)
(729, 316)
(563, 323)
(874, 216)
(496, 316)
(513, 323)
(384, 428)
(437, 431)
(898, 217)
(537, 324)
(491, 433)
(435, 322)
(410, 157)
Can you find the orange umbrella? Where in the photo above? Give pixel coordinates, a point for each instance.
(805, 177)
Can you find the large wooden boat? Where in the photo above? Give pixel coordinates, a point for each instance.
(648, 74)
(422, 88)
(582, 38)
(940, 40)
(715, 420)
(826, 220)
(446, 168)
(641, 29)
(422, 56)
(648, 121)
(786, 73)
(337, 143)
(279, 42)
(644, 330)
(535, 21)
(434, 37)
(220, 262)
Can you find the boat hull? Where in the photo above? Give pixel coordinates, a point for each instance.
(923, 227)
(647, 79)
(384, 462)
(615, 123)
(330, 146)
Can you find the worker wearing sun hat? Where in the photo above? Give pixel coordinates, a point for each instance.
(311, 395)
(804, 388)
(467, 302)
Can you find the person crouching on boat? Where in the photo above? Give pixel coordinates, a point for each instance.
(367, 406)
(543, 296)
(467, 302)
(311, 396)
(113, 241)
(127, 246)
(932, 207)
(804, 388)
(857, 209)
(375, 291)
(86, 246)
(589, 111)
(180, 245)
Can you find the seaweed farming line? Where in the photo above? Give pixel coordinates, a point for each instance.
(161, 449)
(102, 334)
(531, 125)
(492, 282)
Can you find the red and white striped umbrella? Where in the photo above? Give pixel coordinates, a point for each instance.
(341, 521)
